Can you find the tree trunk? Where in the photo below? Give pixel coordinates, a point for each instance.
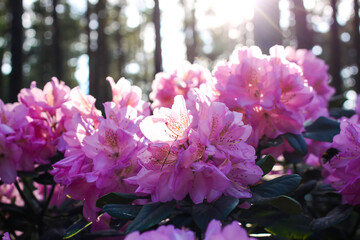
(2, 84)
(101, 56)
(267, 32)
(93, 90)
(58, 56)
(191, 34)
(335, 64)
(16, 75)
(156, 19)
(304, 35)
(356, 42)
(119, 42)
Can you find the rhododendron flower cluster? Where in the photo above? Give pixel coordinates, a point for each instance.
(232, 231)
(6, 236)
(271, 91)
(163, 232)
(101, 152)
(31, 128)
(314, 71)
(204, 161)
(203, 146)
(166, 86)
(9, 194)
(343, 170)
(214, 232)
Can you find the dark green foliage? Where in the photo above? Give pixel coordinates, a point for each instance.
(335, 216)
(116, 198)
(122, 211)
(266, 164)
(323, 129)
(203, 213)
(76, 228)
(297, 142)
(150, 215)
(279, 186)
(294, 227)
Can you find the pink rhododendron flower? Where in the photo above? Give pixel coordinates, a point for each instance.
(269, 90)
(57, 198)
(357, 107)
(9, 194)
(246, 81)
(10, 155)
(80, 103)
(164, 233)
(20, 147)
(166, 86)
(315, 72)
(315, 75)
(205, 162)
(232, 231)
(214, 231)
(100, 152)
(344, 168)
(97, 160)
(47, 117)
(168, 125)
(53, 95)
(6, 236)
(126, 95)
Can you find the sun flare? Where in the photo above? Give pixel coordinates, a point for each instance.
(231, 12)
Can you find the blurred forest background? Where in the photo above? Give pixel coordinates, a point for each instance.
(82, 42)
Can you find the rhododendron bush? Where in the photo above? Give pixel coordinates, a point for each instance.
(249, 150)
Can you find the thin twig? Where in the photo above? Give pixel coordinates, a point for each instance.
(24, 197)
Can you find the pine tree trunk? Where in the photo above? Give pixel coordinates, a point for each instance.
(16, 75)
(101, 56)
(304, 35)
(93, 90)
(2, 83)
(335, 62)
(119, 45)
(156, 19)
(190, 31)
(58, 56)
(267, 30)
(356, 42)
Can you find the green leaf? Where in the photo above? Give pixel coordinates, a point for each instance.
(293, 157)
(116, 198)
(340, 112)
(279, 186)
(58, 156)
(25, 174)
(266, 164)
(266, 142)
(182, 220)
(334, 217)
(297, 142)
(286, 204)
(122, 211)
(203, 213)
(45, 179)
(324, 189)
(295, 227)
(323, 130)
(305, 188)
(150, 215)
(263, 215)
(77, 227)
(44, 168)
